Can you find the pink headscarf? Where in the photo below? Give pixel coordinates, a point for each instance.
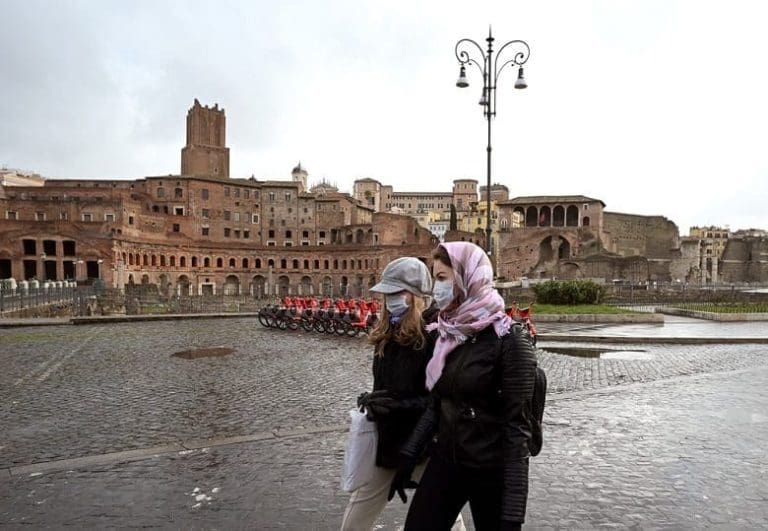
(480, 305)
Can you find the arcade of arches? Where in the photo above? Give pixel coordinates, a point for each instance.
(339, 273)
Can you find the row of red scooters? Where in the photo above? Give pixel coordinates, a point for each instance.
(343, 317)
(348, 317)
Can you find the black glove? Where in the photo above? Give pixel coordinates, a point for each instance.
(364, 400)
(382, 405)
(361, 400)
(402, 480)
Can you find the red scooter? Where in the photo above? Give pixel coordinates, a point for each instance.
(523, 316)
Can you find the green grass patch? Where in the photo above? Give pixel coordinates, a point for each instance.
(154, 309)
(725, 307)
(575, 309)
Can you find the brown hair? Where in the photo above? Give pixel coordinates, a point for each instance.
(410, 333)
(441, 254)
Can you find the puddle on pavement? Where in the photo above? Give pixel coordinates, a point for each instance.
(602, 353)
(209, 352)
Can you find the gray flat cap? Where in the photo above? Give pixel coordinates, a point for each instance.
(407, 273)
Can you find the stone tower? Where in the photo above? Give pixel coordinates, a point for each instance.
(205, 152)
(299, 175)
(464, 193)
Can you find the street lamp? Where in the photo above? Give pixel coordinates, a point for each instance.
(490, 69)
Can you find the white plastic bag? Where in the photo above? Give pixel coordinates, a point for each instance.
(359, 452)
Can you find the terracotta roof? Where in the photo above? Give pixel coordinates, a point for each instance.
(433, 194)
(534, 199)
(280, 184)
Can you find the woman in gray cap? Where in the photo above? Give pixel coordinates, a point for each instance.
(402, 350)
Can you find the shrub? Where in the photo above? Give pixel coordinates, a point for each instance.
(569, 292)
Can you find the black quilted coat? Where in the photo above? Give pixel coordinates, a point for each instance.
(480, 412)
(402, 372)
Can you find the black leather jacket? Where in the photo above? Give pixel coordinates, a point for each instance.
(480, 412)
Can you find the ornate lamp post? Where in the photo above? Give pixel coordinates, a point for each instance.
(490, 69)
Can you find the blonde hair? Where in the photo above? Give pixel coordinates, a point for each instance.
(410, 333)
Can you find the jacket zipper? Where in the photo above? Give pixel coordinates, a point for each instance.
(453, 392)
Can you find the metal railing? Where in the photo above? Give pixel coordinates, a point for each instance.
(42, 299)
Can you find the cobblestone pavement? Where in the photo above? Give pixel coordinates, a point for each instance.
(666, 439)
(73, 391)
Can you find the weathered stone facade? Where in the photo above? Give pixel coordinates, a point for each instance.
(574, 237)
(745, 259)
(382, 198)
(201, 231)
(204, 232)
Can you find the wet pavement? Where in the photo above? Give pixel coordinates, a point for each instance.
(672, 327)
(673, 440)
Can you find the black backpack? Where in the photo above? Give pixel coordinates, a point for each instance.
(537, 411)
(536, 408)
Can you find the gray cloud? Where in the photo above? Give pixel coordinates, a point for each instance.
(623, 103)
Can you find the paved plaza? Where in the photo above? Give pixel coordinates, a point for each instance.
(100, 426)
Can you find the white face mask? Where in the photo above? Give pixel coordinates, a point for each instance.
(443, 293)
(397, 305)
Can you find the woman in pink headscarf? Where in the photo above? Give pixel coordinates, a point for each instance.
(481, 375)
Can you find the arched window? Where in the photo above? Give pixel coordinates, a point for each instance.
(558, 216)
(326, 264)
(270, 263)
(173, 261)
(336, 264)
(183, 261)
(162, 260)
(219, 262)
(572, 216)
(232, 262)
(306, 264)
(258, 263)
(245, 263)
(130, 259)
(206, 262)
(585, 221)
(283, 263)
(317, 264)
(545, 217)
(532, 217)
(194, 261)
(343, 264)
(154, 260)
(295, 264)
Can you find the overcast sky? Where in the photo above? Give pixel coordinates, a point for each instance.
(654, 107)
